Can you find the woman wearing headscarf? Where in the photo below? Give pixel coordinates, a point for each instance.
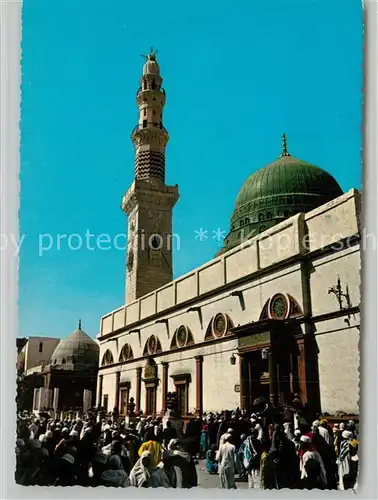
(141, 472)
(151, 445)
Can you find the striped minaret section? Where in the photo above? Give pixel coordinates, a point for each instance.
(149, 136)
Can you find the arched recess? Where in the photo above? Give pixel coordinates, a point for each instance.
(126, 353)
(281, 306)
(182, 337)
(107, 358)
(152, 346)
(219, 326)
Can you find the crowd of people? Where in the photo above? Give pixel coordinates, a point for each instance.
(151, 452)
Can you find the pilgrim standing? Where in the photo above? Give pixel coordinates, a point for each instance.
(226, 457)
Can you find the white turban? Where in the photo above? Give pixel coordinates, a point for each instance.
(347, 434)
(305, 439)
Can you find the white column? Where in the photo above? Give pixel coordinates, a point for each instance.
(87, 399)
(35, 399)
(49, 399)
(40, 398)
(55, 399)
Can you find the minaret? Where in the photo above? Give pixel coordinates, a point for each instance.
(149, 202)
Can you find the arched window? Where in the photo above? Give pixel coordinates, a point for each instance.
(126, 353)
(247, 220)
(286, 213)
(261, 217)
(107, 358)
(153, 86)
(63, 361)
(144, 84)
(241, 223)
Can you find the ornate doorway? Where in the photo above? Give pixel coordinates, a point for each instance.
(151, 382)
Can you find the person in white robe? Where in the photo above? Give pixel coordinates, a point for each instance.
(226, 458)
(140, 474)
(344, 457)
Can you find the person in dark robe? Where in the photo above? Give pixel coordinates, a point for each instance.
(282, 467)
(212, 430)
(87, 449)
(311, 481)
(169, 433)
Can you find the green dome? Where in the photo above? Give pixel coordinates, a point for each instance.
(276, 192)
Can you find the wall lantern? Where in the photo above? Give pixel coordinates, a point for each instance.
(232, 359)
(264, 354)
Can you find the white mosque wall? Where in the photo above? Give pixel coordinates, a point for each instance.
(345, 264)
(334, 221)
(339, 366)
(255, 294)
(325, 225)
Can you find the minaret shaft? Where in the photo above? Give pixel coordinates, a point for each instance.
(149, 202)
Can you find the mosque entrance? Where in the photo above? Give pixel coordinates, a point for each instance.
(268, 365)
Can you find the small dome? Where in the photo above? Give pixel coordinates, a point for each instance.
(276, 192)
(77, 349)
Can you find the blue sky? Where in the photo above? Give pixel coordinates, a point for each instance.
(237, 75)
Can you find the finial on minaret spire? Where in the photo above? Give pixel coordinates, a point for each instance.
(284, 146)
(151, 55)
(79, 324)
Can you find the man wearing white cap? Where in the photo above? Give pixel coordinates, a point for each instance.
(308, 453)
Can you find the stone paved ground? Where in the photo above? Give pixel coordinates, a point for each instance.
(206, 480)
